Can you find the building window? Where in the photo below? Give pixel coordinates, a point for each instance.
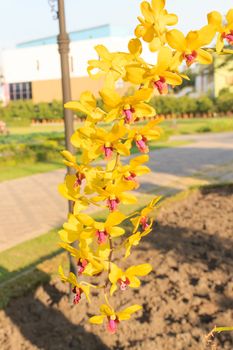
(21, 91)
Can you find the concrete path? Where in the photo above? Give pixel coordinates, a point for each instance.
(31, 205)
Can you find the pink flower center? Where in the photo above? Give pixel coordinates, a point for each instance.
(82, 263)
(79, 178)
(108, 151)
(112, 325)
(123, 284)
(113, 204)
(228, 37)
(161, 86)
(128, 113)
(131, 177)
(144, 222)
(77, 296)
(190, 58)
(141, 145)
(102, 236)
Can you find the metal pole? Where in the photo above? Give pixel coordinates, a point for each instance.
(63, 48)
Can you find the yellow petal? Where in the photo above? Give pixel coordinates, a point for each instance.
(141, 95)
(164, 59)
(170, 19)
(176, 40)
(122, 149)
(229, 16)
(128, 198)
(157, 6)
(126, 313)
(139, 160)
(113, 289)
(204, 57)
(75, 106)
(114, 219)
(155, 44)
(68, 236)
(215, 18)
(135, 46)
(85, 219)
(149, 34)
(147, 11)
(67, 155)
(103, 52)
(117, 231)
(135, 74)
(88, 99)
(172, 78)
(139, 30)
(144, 110)
(115, 273)
(97, 319)
(106, 310)
(139, 270)
(134, 282)
(110, 97)
(86, 290)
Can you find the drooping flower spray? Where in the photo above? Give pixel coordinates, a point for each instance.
(123, 132)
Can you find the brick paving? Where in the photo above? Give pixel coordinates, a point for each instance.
(31, 205)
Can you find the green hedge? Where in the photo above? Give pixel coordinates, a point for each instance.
(31, 147)
(23, 112)
(184, 104)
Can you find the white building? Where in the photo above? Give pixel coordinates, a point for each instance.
(32, 69)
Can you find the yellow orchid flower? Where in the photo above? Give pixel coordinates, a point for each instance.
(83, 138)
(144, 134)
(69, 190)
(189, 48)
(225, 30)
(134, 240)
(98, 141)
(143, 219)
(127, 108)
(103, 230)
(123, 279)
(159, 76)
(113, 318)
(88, 106)
(78, 288)
(109, 64)
(81, 170)
(152, 27)
(114, 194)
(87, 263)
(133, 169)
(71, 229)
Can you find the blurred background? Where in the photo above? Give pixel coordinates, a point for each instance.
(192, 168)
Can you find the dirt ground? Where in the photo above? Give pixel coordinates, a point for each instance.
(189, 291)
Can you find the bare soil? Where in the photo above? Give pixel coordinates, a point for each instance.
(189, 291)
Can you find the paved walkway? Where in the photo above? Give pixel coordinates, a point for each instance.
(31, 206)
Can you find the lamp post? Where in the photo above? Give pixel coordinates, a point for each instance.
(58, 10)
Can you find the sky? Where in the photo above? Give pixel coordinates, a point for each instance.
(23, 20)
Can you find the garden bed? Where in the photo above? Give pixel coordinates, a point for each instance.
(189, 291)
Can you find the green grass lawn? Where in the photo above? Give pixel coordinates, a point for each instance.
(198, 125)
(19, 130)
(170, 127)
(179, 126)
(10, 172)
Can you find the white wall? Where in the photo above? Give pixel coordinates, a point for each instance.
(43, 62)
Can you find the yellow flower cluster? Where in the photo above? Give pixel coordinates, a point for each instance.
(118, 129)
